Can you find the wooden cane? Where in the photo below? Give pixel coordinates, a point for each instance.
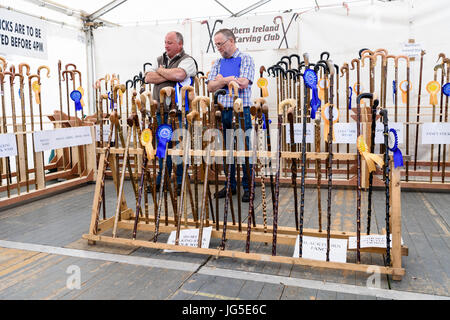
(38, 80)
(444, 154)
(5, 129)
(12, 76)
(251, 210)
(130, 123)
(441, 109)
(24, 116)
(345, 70)
(418, 109)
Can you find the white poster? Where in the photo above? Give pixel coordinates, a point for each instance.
(254, 33)
(189, 238)
(22, 35)
(371, 241)
(345, 133)
(316, 249)
(298, 133)
(397, 126)
(8, 145)
(62, 138)
(436, 133)
(412, 50)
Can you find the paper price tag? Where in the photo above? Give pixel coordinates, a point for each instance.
(189, 238)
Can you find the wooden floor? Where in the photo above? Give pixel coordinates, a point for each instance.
(57, 223)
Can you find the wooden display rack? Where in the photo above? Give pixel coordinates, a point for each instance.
(286, 235)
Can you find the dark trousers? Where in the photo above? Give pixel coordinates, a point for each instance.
(227, 121)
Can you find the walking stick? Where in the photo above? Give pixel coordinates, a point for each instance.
(237, 110)
(265, 110)
(5, 130)
(290, 116)
(130, 122)
(384, 114)
(12, 76)
(441, 112)
(218, 115)
(418, 109)
(30, 86)
(371, 174)
(101, 199)
(345, 70)
(228, 198)
(254, 110)
(24, 125)
(318, 173)
(261, 105)
(434, 103)
(330, 155)
(444, 154)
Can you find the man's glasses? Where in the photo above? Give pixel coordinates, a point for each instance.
(219, 45)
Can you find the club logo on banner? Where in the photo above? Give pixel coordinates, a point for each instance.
(22, 35)
(254, 33)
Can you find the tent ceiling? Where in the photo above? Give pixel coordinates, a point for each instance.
(132, 12)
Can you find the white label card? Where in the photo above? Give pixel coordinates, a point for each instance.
(106, 131)
(298, 133)
(397, 126)
(316, 249)
(345, 133)
(189, 238)
(372, 241)
(8, 146)
(62, 138)
(436, 133)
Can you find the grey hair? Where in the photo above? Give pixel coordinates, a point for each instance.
(227, 33)
(179, 36)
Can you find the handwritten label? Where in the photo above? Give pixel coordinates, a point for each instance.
(345, 132)
(316, 249)
(397, 126)
(298, 133)
(8, 146)
(106, 131)
(372, 241)
(189, 238)
(412, 50)
(62, 138)
(436, 133)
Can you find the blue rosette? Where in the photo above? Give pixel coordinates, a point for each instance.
(264, 122)
(76, 97)
(350, 99)
(311, 80)
(446, 89)
(164, 135)
(398, 156)
(111, 105)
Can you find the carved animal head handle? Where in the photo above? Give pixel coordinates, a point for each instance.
(260, 102)
(285, 103)
(26, 66)
(193, 117)
(42, 68)
(233, 88)
(441, 56)
(238, 106)
(165, 92)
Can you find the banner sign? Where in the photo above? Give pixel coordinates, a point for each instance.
(8, 146)
(62, 138)
(22, 35)
(254, 33)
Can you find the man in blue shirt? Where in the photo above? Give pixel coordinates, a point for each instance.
(240, 68)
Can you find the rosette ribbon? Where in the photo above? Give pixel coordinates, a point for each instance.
(310, 78)
(350, 98)
(398, 156)
(433, 89)
(263, 83)
(405, 87)
(323, 85)
(76, 97)
(446, 89)
(82, 95)
(164, 135)
(147, 143)
(394, 91)
(370, 158)
(36, 89)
